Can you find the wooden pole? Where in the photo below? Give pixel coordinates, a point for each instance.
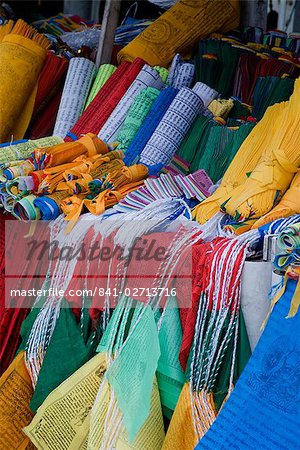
(109, 25)
(254, 13)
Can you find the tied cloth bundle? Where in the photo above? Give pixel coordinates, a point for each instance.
(25, 210)
(288, 205)
(274, 171)
(22, 54)
(179, 28)
(171, 130)
(99, 110)
(120, 182)
(148, 77)
(156, 113)
(289, 240)
(89, 145)
(81, 168)
(49, 205)
(244, 162)
(81, 73)
(104, 73)
(78, 178)
(136, 116)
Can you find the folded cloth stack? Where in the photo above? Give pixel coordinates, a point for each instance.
(289, 245)
(50, 86)
(156, 113)
(181, 74)
(171, 130)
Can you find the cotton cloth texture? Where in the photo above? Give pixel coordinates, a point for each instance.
(159, 43)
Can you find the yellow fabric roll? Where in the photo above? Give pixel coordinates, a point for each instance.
(22, 56)
(179, 28)
(244, 162)
(288, 205)
(278, 164)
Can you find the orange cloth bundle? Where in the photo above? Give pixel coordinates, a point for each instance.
(66, 152)
(126, 180)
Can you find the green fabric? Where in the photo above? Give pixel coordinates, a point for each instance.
(66, 353)
(243, 354)
(238, 111)
(132, 373)
(217, 73)
(163, 72)
(268, 91)
(170, 377)
(289, 238)
(23, 150)
(220, 384)
(195, 141)
(220, 149)
(104, 73)
(136, 116)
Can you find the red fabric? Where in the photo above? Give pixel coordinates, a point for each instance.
(45, 122)
(99, 110)
(204, 281)
(11, 318)
(52, 76)
(251, 67)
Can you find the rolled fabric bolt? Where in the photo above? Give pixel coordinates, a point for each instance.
(184, 76)
(206, 93)
(172, 128)
(81, 73)
(148, 77)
